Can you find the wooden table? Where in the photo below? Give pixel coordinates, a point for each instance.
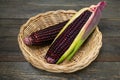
(13, 66)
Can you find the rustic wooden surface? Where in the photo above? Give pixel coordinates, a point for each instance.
(13, 66)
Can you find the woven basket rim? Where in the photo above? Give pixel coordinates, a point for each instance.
(43, 65)
(43, 14)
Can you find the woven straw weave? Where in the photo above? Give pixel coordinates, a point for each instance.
(35, 55)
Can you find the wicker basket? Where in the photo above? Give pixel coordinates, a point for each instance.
(35, 55)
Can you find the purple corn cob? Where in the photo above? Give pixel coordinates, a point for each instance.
(63, 42)
(44, 35)
(74, 33)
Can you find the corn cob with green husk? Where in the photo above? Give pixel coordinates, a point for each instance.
(74, 33)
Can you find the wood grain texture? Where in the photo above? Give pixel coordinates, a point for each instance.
(28, 8)
(14, 13)
(24, 71)
(10, 27)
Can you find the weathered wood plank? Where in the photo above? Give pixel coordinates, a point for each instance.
(10, 27)
(24, 71)
(28, 8)
(12, 58)
(110, 50)
(12, 21)
(110, 27)
(60, 2)
(9, 44)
